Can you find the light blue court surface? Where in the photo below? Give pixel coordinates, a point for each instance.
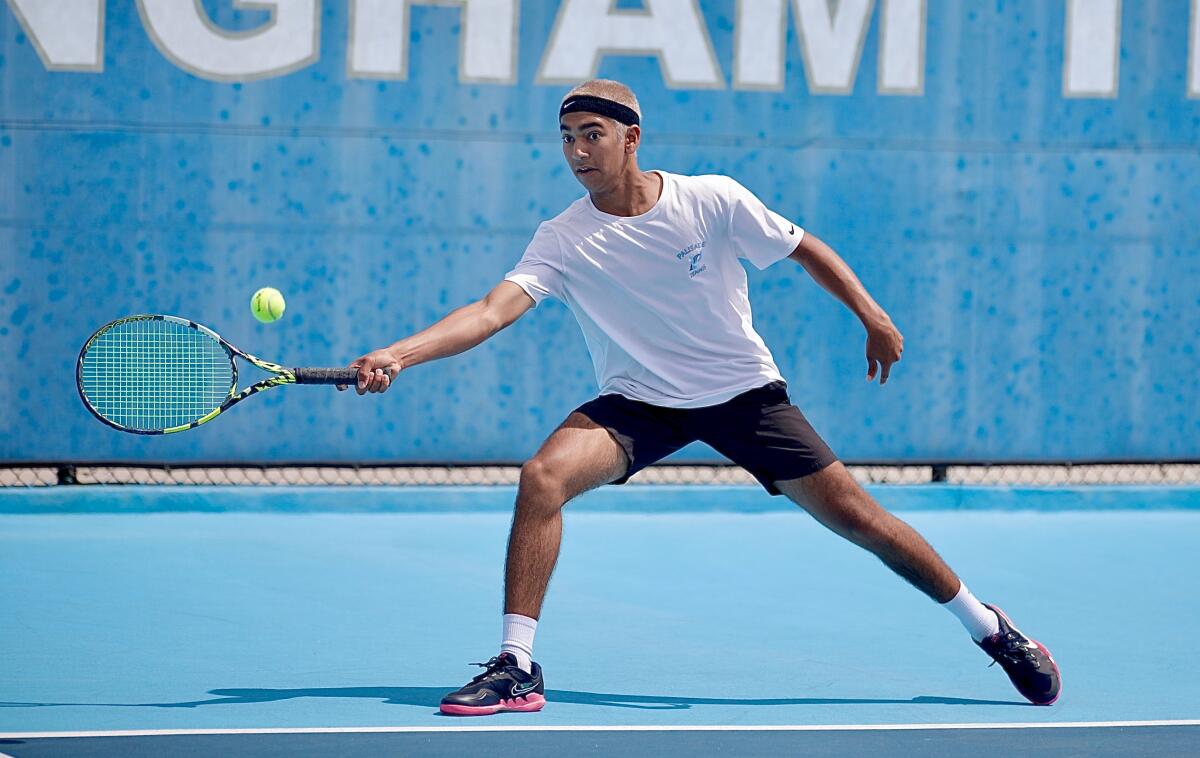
(739, 613)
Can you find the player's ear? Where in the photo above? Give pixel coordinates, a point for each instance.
(633, 138)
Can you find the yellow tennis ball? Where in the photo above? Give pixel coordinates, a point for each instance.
(267, 305)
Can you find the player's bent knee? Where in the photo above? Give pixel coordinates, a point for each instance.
(540, 485)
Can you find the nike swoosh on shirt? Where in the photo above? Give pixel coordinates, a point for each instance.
(792, 230)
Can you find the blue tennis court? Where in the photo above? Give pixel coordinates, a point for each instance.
(331, 620)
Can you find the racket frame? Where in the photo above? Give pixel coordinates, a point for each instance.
(280, 374)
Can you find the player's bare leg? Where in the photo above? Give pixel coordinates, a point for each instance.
(837, 501)
(833, 497)
(580, 455)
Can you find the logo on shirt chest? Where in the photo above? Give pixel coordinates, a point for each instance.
(693, 254)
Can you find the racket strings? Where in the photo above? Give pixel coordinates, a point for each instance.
(154, 374)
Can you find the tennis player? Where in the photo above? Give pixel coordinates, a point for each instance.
(649, 264)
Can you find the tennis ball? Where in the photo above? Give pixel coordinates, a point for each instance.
(267, 305)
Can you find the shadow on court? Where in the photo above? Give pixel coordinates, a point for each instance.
(430, 697)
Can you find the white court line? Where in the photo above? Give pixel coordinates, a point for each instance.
(629, 728)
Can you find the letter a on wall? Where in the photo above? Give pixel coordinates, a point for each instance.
(673, 30)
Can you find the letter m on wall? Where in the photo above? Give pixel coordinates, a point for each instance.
(831, 34)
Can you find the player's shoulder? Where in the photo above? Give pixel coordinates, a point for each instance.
(568, 221)
(569, 215)
(708, 193)
(711, 185)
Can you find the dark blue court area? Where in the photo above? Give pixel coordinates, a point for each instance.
(1094, 742)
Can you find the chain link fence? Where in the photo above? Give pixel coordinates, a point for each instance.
(1056, 474)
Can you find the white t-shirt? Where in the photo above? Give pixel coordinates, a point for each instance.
(661, 297)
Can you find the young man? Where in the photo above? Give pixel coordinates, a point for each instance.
(648, 263)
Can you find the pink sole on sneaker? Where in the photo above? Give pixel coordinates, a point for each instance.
(1058, 694)
(526, 704)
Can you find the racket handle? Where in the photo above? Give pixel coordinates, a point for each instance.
(325, 375)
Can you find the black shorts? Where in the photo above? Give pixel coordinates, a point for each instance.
(760, 430)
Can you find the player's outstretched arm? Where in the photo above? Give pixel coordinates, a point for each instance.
(461, 330)
(884, 341)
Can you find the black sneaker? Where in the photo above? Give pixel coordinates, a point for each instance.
(502, 686)
(1027, 662)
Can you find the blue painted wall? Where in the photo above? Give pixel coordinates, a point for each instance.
(1040, 253)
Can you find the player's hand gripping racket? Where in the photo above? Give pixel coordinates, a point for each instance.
(162, 374)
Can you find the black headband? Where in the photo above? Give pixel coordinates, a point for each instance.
(622, 113)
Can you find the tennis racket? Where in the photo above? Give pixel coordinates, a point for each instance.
(156, 374)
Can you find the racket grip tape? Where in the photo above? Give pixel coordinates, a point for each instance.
(325, 375)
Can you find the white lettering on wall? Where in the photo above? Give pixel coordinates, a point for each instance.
(831, 36)
(379, 36)
(760, 33)
(183, 32)
(831, 40)
(673, 30)
(1092, 48)
(1194, 52)
(67, 34)
(902, 48)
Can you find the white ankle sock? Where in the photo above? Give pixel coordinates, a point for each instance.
(517, 638)
(978, 619)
